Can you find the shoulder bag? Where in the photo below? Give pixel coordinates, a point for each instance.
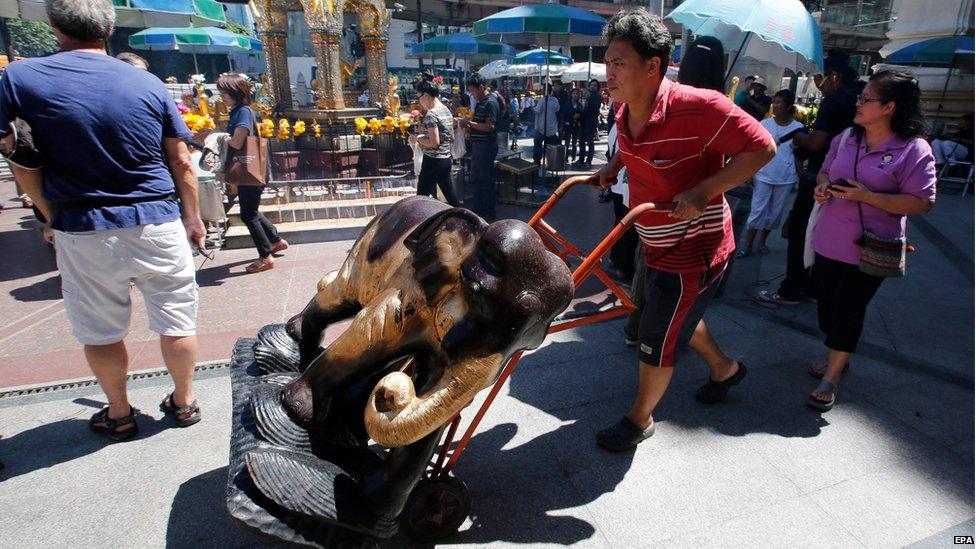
(879, 256)
(248, 166)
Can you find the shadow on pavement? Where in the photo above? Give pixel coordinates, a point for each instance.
(198, 516)
(44, 290)
(33, 255)
(217, 275)
(517, 492)
(62, 441)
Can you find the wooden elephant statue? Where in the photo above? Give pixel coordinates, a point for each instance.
(434, 287)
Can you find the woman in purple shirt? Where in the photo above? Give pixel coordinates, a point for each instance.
(895, 177)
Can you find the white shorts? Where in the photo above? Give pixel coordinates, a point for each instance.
(98, 269)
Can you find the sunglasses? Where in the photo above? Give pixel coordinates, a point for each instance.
(861, 98)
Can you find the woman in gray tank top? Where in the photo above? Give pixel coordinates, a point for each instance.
(435, 139)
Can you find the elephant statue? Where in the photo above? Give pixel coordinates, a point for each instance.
(439, 300)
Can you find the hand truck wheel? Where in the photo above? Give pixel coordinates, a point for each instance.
(435, 509)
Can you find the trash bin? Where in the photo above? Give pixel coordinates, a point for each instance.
(211, 198)
(556, 158)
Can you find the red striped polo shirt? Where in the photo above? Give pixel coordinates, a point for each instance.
(685, 140)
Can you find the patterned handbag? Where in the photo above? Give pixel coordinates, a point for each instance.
(879, 256)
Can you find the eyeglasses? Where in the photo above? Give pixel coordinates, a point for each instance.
(861, 98)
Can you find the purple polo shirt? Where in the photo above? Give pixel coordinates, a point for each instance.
(896, 167)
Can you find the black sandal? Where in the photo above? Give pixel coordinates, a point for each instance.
(110, 427)
(168, 408)
(714, 392)
(623, 436)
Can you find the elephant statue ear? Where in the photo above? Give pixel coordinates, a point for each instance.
(419, 238)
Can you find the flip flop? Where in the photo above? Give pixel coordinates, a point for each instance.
(763, 250)
(817, 369)
(714, 392)
(823, 405)
(623, 436)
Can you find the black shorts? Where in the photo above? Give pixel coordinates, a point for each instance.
(673, 305)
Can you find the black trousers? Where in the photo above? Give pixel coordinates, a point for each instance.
(537, 145)
(483, 155)
(622, 253)
(434, 173)
(844, 294)
(587, 138)
(263, 232)
(572, 142)
(798, 281)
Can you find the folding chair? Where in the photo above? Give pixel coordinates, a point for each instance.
(951, 173)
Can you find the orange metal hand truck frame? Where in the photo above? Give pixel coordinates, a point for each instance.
(430, 525)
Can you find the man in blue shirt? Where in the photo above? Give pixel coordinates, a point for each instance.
(111, 143)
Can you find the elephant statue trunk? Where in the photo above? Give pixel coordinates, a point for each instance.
(396, 416)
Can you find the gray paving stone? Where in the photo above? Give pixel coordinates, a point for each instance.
(798, 522)
(902, 503)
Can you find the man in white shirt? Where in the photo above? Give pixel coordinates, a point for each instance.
(364, 98)
(546, 124)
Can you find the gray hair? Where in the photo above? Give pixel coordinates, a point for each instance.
(86, 20)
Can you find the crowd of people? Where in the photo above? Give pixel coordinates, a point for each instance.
(121, 194)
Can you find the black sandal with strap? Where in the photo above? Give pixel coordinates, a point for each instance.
(110, 427)
(168, 407)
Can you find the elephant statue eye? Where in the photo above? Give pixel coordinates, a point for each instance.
(492, 260)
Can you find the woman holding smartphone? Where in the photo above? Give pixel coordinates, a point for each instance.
(875, 175)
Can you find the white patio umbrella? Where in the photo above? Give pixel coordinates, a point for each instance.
(584, 71)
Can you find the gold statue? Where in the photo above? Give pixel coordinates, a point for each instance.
(392, 99)
(348, 69)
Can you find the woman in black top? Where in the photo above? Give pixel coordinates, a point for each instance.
(575, 119)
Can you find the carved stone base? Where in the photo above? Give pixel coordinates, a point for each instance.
(275, 484)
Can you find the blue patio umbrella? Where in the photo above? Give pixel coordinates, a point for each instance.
(954, 51)
(784, 23)
(941, 50)
(538, 23)
(541, 56)
(190, 40)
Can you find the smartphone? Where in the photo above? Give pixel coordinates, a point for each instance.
(840, 182)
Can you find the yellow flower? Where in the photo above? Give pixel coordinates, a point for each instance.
(388, 124)
(361, 125)
(299, 128)
(374, 126)
(404, 124)
(266, 128)
(316, 129)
